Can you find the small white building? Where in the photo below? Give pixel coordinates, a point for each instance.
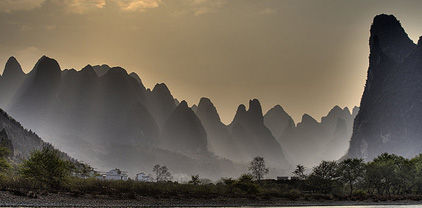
(116, 174)
(143, 177)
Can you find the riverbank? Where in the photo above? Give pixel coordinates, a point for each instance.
(14, 199)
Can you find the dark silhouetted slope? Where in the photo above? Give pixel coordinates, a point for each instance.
(162, 103)
(38, 92)
(328, 140)
(220, 141)
(390, 114)
(276, 119)
(254, 138)
(183, 132)
(10, 81)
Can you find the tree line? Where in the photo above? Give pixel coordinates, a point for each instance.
(387, 175)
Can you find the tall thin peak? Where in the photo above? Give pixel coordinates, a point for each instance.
(183, 104)
(241, 108)
(278, 107)
(160, 87)
(255, 107)
(306, 118)
(385, 20)
(393, 40)
(347, 110)
(12, 68)
(205, 102)
(46, 64)
(135, 76)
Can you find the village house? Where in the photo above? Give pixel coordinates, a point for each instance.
(143, 177)
(115, 174)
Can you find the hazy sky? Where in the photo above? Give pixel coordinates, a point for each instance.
(306, 55)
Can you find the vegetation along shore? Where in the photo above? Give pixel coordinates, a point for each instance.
(45, 179)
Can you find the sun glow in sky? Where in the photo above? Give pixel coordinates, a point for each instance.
(306, 55)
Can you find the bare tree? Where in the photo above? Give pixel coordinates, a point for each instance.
(258, 168)
(161, 173)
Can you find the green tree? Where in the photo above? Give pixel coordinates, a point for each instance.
(350, 171)
(4, 153)
(82, 170)
(246, 184)
(46, 167)
(382, 173)
(323, 177)
(299, 172)
(161, 173)
(258, 169)
(417, 162)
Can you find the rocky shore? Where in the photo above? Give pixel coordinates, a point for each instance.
(12, 199)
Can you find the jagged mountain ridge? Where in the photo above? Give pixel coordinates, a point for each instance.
(102, 116)
(106, 119)
(393, 85)
(326, 140)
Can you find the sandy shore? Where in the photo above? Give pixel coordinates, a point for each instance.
(9, 199)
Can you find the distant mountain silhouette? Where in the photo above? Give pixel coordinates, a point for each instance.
(107, 117)
(390, 115)
(220, 141)
(254, 138)
(37, 94)
(328, 140)
(276, 119)
(183, 132)
(110, 121)
(162, 103)
(10, 81)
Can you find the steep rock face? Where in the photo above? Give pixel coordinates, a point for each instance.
(10, 81)
(254, 138)
(183, 132)
(276, 119)
(220, 141)
(162, 103)
(390, 115)
(393, 39)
